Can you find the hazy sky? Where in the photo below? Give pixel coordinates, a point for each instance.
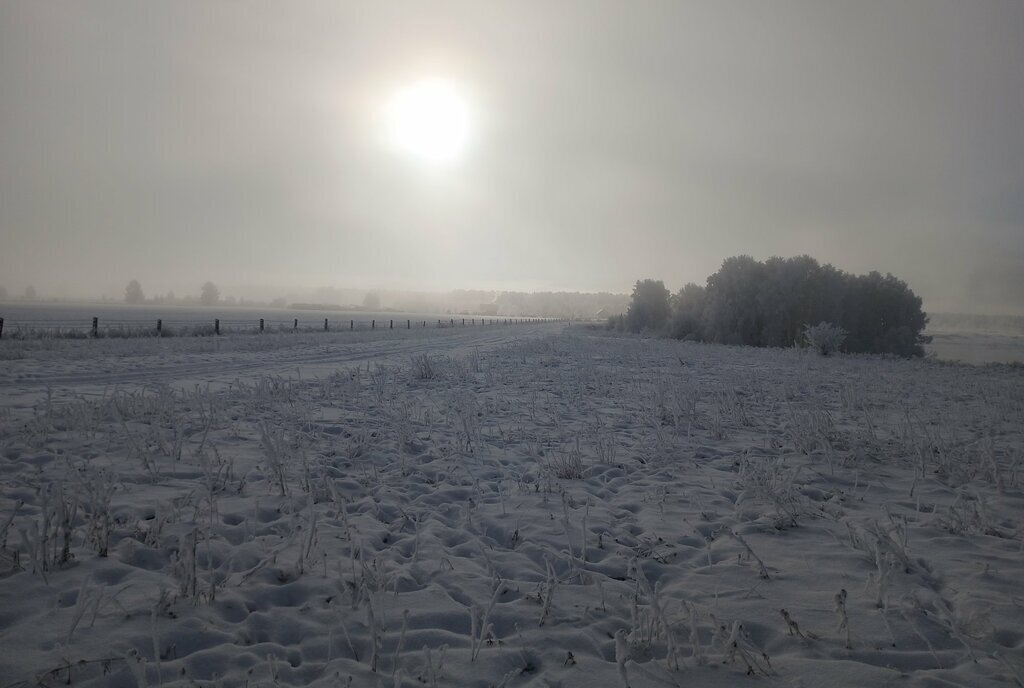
(176, 142)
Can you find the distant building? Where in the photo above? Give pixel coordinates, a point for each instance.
(488, 309)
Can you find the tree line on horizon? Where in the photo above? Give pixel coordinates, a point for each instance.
(546, 304)
(209, 295)
(771, 303)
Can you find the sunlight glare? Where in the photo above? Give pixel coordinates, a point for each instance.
(429, 119)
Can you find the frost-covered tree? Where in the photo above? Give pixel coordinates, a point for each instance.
(734, 313)
(371, 301)
(133, 292)
(210, 294)
(688, 312)
(785, 299)
(883, 316)
(649, 308)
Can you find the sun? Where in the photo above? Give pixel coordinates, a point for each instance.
(429, 119)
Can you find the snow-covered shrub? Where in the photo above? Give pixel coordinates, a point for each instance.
(825, 337)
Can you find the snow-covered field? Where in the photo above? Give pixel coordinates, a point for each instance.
(976, 347)
(976, 339)
(537, 505)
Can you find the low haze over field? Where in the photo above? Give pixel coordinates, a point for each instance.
(509, 146)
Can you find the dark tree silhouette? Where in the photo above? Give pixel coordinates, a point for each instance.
(210, 294)
(649, 308)
(882, 315)
(772, 303)
(133, 293)
(688, 312)
(371, 301)
(733, 314)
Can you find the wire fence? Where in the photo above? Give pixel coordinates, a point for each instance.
(161, 327)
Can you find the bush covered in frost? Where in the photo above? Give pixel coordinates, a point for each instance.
(824, 337)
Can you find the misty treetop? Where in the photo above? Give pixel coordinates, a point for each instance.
(133, 293)
(209, 295)
(771, 303)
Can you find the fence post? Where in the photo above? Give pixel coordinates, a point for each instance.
(373, 324)
(1, 328)
(439, 322)
(325, 324)
(216, 326)
(408, 324)
(295, 325)
(261, 324)
(391, 325)
(463, 322)
(159, 327)
(95, 327)
(453, 322)
(351, 324)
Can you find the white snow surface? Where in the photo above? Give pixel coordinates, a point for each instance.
(537, 505)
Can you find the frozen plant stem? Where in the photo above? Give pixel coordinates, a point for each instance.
(621, 655)
(401, 643)
(763, 571)
(844, 619)
(698, 649)
(86, 597)
(794, 627)
(373, 622)
(549, 590)
(484, 628)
